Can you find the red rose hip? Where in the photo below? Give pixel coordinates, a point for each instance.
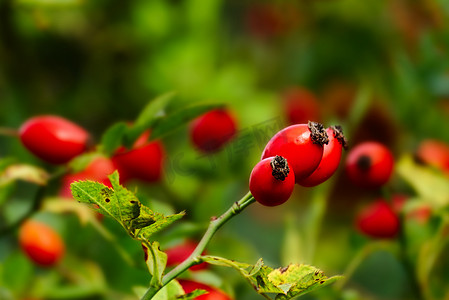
(145, 161)
(41, 243)
(212, 293)
(369, 165)
(330, 160)
(211, 131)
(271, 181)
(434, 153)
(378, 220)
(53, 139)
(301, 145)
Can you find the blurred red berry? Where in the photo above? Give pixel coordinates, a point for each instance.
(331, 158)
(434, 153)
(53, 139)
(213, 293)
(369, 165)
(211, 131)
(41, 243)
(98, 170)
(301, 145)
(301, 106)
(378, 220)
(179, 253)
(145, 161)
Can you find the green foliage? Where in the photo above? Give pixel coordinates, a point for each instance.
(286, 282)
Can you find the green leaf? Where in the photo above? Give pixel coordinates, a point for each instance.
(156, 260)
(166, 124)
(430, 185)
(24, 172)
(192, 295)
(118, 203)
(113, 137)
(150, 222)
(148, 116)
(288, 282)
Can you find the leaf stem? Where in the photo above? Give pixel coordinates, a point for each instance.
(195, 257)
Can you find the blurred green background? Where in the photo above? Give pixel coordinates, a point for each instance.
(379, 68)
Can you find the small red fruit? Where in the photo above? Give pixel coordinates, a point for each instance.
(98, 170)
(181, 252)
(213, 293)
(378, 220)
(53, 139)
(331, 158)
(145, 161)
(434, 153)
(271, 183)
(369, 165)
(301, 145)
(211, 131)
(41, 243)
(301, 106)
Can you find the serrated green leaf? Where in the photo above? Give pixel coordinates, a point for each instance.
(428, 184)
(153, 222)
(167, 124)
(288, 282)
(148, 116)
(156, 260)
(118, 203)
(113, 137)
(192, 295)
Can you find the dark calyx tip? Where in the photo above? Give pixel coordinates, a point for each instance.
(364, 162)
(318, 133)
(338, 134)
(280, 168)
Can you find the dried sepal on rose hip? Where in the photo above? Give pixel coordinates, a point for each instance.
(53, 139)
(369, 165)
(271, 181)
(301, 144)
(330, 160)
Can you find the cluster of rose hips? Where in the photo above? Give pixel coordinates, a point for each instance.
(305, 154)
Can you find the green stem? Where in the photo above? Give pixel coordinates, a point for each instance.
(9, 131)
(195, 257)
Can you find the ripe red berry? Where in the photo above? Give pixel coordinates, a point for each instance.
(211, 131)
(213, 293)
(53, 139)
(301, 145)
(378, 220)
(97, 170)
(369, 165)
(41, 243)
(434, 153)
(331, 158)
(145, 161)
(301, 106)
(271, 181)
(179, 253)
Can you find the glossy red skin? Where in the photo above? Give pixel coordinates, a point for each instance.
(382, 163)
(328, 164)
(145, 161)
(378, 220)
(53, 139)
(181, 252)
(301, 106)
(213, 293)
(295, 144)
(211, 131)
(41, 243)
(434, 153)
(266, 189)
(98, 170)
